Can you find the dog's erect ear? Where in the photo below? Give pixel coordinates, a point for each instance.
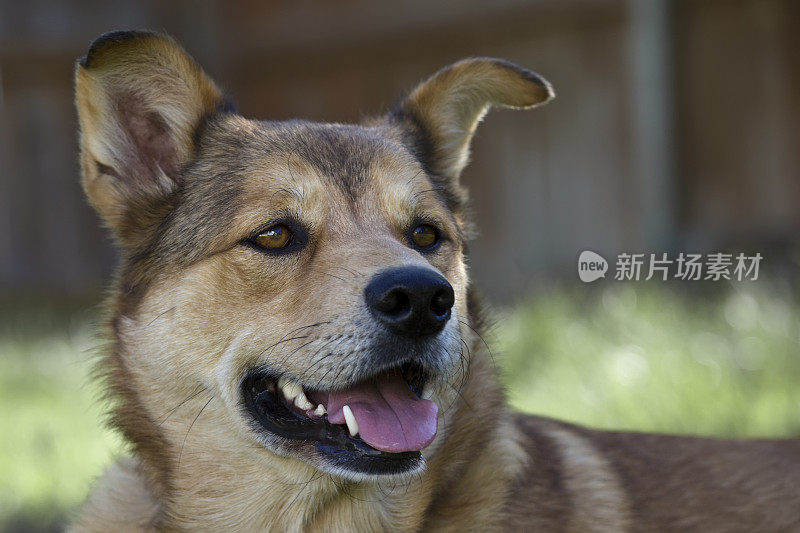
(445, 109)
(140, 100)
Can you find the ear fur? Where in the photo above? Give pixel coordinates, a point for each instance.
(140, 98)
(445, 109)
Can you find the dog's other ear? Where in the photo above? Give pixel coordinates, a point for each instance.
(140, 100)
(443, 111)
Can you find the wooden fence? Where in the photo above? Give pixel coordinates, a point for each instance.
(677, 124)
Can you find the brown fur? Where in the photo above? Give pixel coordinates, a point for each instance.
(183, 181)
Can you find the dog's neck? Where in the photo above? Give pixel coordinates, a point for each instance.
(237, 489)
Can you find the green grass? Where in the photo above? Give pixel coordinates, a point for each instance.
(724, 362)
(51, 440)
(656, 358)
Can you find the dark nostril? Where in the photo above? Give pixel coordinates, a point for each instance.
(394, 302)
(442, 301)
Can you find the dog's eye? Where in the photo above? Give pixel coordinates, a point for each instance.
(274, 237)
(425, 237)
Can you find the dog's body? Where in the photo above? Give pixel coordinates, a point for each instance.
(293, 333)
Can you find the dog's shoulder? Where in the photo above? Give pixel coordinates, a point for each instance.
(567, 484)
(120, 501)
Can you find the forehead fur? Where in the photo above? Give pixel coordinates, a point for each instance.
(236, 159)
(236, 156)
(343, 153)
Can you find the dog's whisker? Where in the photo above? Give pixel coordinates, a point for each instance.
(190, 397)
(412, 178)
(468, 358)
(460, 395)
(290, 354)
(314, 355)
(161, 314)
(325, 375)
(289, 167)
(321, 359)
(315, 476)
(300, 492)
(331, 352)
(180, 455)
(308, 326)
(273, 346)
(287, 506)
(343, 488)
(491, 355)
(419, 194)
(325, 273)
(355, 273)
(461, 358)
(283, 340)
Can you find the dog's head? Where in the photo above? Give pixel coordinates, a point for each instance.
(309, 278)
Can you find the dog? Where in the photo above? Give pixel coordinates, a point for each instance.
(294, 342)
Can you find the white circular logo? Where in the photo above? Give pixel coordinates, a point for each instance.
(591, 266)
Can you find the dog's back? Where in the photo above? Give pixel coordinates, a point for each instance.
(589, 480)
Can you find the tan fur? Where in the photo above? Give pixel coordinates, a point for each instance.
(184, 182)
(452, 102)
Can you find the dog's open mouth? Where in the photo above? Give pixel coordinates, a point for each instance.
(378, 425)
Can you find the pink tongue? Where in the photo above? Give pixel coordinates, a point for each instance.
(390, 416)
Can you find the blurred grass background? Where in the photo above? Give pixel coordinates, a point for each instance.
(720, 360)
(52, 442)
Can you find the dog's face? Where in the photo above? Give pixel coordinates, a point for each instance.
(309, 277)
(326, 263)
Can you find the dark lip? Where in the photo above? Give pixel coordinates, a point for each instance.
(269, 410)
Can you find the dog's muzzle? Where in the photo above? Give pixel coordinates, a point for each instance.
(380, 423)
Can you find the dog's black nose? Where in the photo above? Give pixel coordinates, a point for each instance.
(412, 301)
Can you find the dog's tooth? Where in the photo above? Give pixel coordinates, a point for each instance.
(291, 389)
(282, 381)
(350, 419)
(302, 402)
(320, 410)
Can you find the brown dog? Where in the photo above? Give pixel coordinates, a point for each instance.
(293, 337)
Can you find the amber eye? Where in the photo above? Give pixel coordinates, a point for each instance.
(274, 237)
(425, 236)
